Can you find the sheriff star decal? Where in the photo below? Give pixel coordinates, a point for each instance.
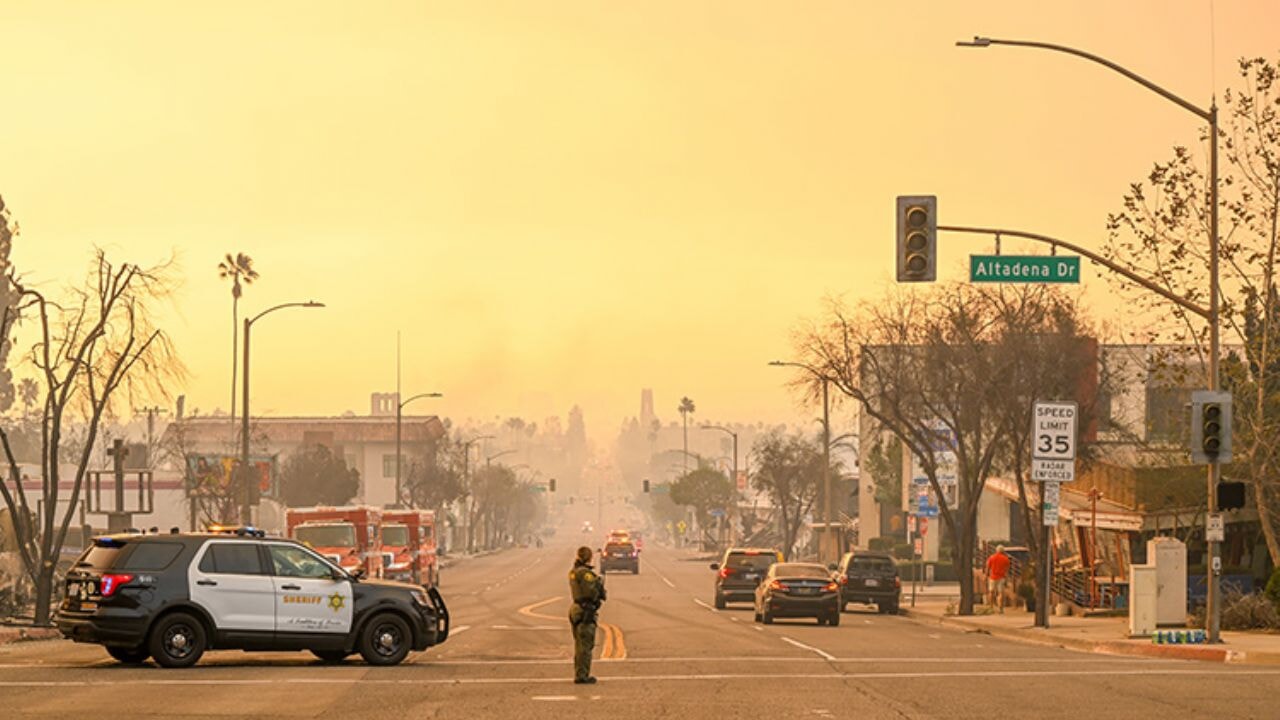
(337, 601)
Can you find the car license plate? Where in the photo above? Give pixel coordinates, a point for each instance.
(872, 582)
(806, 591)
(88, 606)
(751, 576)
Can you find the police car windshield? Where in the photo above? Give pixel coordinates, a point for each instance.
(327, 535)
(395, 535)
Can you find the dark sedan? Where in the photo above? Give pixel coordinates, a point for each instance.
(791, 590)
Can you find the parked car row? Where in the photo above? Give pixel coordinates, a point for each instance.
(779, 589)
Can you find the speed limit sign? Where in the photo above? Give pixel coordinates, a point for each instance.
(1053, 441)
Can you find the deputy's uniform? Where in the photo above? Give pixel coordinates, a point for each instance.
(588, 592)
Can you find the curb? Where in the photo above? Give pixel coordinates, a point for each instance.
(11, 634)
(1104, 647)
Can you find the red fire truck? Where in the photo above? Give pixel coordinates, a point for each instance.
(349, 536)
(409, 537)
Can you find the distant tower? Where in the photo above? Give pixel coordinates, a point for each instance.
(646, 408)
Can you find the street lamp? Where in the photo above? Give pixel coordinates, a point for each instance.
(826, 450)
(1213, 608)
(733, 435)
(466, 480)
(244, 419)
(490, 458)
(399, 412)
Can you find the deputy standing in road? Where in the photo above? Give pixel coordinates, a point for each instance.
(587, 589)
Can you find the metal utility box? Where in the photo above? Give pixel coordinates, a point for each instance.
(1169, 558)
(1142, 600)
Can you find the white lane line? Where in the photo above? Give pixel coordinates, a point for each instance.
(554, 698)
(463, 628)
(735, 619)
(526, 627)
(428, 660)
(757, 628)
(665, 580)
(820, 653)
(1179, 670)
(705, 605)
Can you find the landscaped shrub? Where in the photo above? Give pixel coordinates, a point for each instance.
(1254, 611)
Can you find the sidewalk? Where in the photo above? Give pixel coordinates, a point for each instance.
(17, 633)
(1108, 635)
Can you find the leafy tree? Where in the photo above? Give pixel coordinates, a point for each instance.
(434, 477)
(97, 346)
(788, 468)
(8, 301)
(314, 475)
(703, 489)
(1162, 232)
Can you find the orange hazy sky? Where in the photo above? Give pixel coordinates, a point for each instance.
(562, 202)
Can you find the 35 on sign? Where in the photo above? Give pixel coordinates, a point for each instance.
(1047, 444)
(1053, 431)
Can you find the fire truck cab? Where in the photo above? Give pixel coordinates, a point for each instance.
(409, 540)
(347, 536)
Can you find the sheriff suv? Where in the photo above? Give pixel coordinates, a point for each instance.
(172, 597)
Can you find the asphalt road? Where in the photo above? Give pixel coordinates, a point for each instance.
(665, 653)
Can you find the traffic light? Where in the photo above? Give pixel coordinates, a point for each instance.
(646, 485)
(551, 484)
(1230, 495)
(1210, 427)
(917, 238)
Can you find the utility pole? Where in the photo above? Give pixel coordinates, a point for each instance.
(827, 537)
(1212, 316)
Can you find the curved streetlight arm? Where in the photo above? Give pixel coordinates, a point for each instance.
(981, 42)
(1095, 257)
(309, 304)
(420, 395)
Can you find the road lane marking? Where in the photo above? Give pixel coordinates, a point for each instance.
(1179, 671)
(821, 653)
(526, 627)
(554, 698)
(665, 580)
(528, 610)
(705, 605)
(429, 660)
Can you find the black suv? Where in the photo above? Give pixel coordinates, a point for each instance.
(740, 571)
(620, 556)
(870, 578)
(171, 597)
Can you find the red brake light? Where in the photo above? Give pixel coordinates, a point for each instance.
(844, 580)
(897, 582)
(777, 585)
(725, 572)
(112, 582)
(831, 587)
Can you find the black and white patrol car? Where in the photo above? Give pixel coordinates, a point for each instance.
(171, 597)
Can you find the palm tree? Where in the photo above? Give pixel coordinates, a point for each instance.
(686, 408)
(240, 270)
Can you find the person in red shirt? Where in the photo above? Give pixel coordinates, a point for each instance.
(997, 575)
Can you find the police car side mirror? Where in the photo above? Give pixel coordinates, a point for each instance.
(357, 573)
(715, 566)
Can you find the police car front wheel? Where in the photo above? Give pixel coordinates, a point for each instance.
(177, 641)
(386, 640)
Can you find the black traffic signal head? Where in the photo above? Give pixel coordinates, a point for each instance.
(551, 484)
(917, 224)
(646, 485)
(1230, 495)
(1210, 427)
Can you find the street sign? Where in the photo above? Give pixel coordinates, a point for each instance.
(742, 480)
(716, 512)
(924, 526)
(1024, 268)
(1215, 530)
(1051, 497)
(919, 546)
(911, 524)
(1053, 441)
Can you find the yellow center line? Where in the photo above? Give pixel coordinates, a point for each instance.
(614, 646)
